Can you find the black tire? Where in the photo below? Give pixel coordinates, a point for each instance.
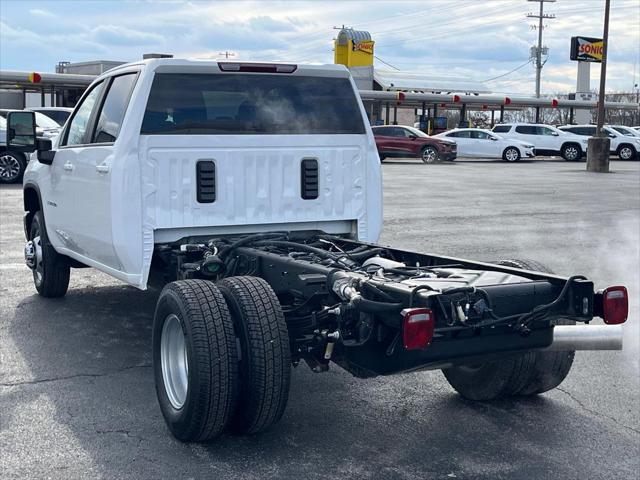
(511, 154)
(212, 359)
(626, 152)
(529, 373)
(265, 365)
(51, 273)
(12, 166)
(429, 154)
(571, 152)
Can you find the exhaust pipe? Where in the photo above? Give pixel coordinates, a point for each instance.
(586, 337)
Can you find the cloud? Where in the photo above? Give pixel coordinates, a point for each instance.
(116, 35)
(42, 13)
(477, 40)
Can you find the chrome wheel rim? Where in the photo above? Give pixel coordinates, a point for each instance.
(429, 155)
(571, 153)
(511, 155)
(173, 358)
(38, 271)
(9, 167)
(625, 153)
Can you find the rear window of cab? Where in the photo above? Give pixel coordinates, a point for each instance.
(249, 104)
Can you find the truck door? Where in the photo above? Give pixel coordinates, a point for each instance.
(85, 223)
(60, 202)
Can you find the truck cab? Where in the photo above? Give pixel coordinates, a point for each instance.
(163, 149)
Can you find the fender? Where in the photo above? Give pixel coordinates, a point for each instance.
(31, 205)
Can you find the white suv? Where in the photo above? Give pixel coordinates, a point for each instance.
(625, 147)
(548, 140)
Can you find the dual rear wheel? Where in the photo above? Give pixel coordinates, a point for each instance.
(221, 357)
(529, 373)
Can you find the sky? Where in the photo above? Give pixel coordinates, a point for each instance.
(473, 39)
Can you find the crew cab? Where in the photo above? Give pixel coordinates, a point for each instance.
(252, 194)
(546, 139)
(480, 143)
(398, 141)
(624, 146)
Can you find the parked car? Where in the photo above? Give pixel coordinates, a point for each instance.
(45, 127)
(476, 142)
(12, 163)
(547, 140)
(624, 146)
(403, 141)
(57, 114)
(627, 131)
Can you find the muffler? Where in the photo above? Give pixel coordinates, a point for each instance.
(586, 337)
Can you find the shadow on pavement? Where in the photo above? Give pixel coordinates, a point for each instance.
(88, 357)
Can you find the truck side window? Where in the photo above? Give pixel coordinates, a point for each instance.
(114, 108)
(78, 126)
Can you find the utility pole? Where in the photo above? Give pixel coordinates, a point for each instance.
(539, 50)
(598, 147)
(227, 54)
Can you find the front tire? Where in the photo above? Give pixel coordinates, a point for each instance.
(571, 152)
(195, 360)
(530, 373)
(265, 365)
(511, 154)
(51, 272)
(429, 154)
(12, 166)
(626, 152)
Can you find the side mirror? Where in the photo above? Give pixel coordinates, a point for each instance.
(45, 154)
(21, 131)
(413, 137)
(555, 134)
(494, 139)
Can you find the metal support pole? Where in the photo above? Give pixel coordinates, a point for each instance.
(501, 113)
(395, 115)
(493, 115)
(379, 113)
(463, 115)
(42, 97)
(598, 146)
(24, 98)
(422, 117)
(571, 115)
(435, 114)
(53, 94)
(537, 114)
(386, 114)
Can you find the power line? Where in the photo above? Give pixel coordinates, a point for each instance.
(510, 71)
(386, 63)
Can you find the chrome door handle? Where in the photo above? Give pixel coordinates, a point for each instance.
(68, 166)
(102, 168)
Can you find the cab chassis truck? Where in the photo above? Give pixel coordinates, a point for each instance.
(252, 193)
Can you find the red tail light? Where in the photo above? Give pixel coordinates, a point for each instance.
(615, 305)
(417, 327)
(256, 67)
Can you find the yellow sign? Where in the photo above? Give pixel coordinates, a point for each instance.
(354, 48)
(587, 49)
(366, 46)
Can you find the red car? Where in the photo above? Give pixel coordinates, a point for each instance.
(402, 141)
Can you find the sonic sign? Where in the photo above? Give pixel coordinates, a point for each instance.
(586, 49)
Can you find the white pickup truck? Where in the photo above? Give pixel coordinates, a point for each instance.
(252, 193)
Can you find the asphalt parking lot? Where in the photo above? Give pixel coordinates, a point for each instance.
(77, 398)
